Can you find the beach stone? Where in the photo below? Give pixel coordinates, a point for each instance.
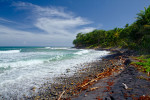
(107, 98)
(127, 76)
(33, 88)
(37, 97)
(85, 95)
(67, 70)
(127, 62)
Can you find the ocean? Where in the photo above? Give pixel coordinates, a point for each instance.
(22, 68)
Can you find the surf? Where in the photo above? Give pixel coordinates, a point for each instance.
(10, 51)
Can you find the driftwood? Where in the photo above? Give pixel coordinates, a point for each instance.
(93, 88)
(89, 82)
(125, 86)
(61, 95)
(99, 76)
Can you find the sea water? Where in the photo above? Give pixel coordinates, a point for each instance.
(24, 67)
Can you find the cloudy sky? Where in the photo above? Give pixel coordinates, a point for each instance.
(56, 22)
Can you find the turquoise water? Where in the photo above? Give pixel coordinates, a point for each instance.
(24, 67)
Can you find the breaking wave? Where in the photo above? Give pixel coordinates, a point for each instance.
(10, 51)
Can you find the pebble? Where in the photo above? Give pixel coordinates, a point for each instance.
(69, 82)
(33, 88)
(85, 95)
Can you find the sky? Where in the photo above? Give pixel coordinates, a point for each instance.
(57, 22)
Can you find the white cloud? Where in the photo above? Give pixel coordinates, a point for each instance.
(86, 30)
(60, 26)
(11, 36)
(54, 19)
(5, 20)
(43, 11)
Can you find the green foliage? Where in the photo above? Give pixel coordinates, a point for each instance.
(135, 36)
(91, 46)
(145, 64)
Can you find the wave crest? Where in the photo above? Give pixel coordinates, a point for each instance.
(82, 52)
(57, 48)
(10, 51)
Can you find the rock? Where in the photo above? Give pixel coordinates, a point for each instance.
(37, 97)
(85, 95)
(127, 62)
(67, 70)
(112, 98)
(33, 88)
(107, 98)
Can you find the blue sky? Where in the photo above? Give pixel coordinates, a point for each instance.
(56, 22)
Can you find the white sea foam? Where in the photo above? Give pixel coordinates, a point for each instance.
(60, 48)
(82, 52)
(35, 68)
(47, 47)
(55, 48)
(20, 63)
(10, 51)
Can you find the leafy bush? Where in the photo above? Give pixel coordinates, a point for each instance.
(145, 63)
(135, 36)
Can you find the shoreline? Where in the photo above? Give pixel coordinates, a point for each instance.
(71, 87)
(52, 90)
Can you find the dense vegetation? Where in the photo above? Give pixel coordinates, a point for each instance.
(135, 36)
(144, 61)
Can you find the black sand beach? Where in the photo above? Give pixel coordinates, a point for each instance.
(112, 78)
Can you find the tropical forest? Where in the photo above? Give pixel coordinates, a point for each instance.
(135, 36)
